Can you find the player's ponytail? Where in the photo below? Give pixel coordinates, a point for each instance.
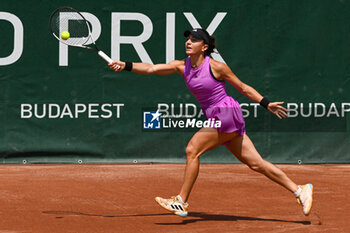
(211, 46)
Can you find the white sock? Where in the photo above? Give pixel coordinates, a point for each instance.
(298, 191)
(180, 199)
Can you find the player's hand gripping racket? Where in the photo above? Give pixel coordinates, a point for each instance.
(67, 20)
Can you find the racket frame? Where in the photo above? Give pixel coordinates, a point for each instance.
(94, 48)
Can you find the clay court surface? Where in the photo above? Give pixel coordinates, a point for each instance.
(120, 198)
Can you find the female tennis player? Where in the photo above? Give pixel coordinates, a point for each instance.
(206, 78)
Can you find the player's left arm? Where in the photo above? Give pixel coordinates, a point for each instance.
(223, 72)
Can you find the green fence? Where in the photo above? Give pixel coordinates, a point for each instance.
(60, 104)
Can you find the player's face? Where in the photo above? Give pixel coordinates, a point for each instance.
(195, 46)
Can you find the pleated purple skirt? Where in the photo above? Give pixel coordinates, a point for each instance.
(229, 112)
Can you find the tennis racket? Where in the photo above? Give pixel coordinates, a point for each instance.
(72, 21)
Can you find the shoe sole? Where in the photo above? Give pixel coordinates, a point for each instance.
(310, 201)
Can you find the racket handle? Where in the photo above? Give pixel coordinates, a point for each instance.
(105, 57)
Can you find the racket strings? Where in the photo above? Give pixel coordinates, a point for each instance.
(74, 23)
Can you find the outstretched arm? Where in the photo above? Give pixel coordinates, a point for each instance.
(224, 73)
(146, 68)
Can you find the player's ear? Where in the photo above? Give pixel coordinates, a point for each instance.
(205, 47)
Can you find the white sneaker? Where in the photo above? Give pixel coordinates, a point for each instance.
(174, 205)
(305, 197)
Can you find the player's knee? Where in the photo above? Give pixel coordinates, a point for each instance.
(257, 166)
(190, 152)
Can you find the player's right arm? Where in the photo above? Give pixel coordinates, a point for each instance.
(175, 66)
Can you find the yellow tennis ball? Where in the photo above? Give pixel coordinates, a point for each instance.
(65, 35)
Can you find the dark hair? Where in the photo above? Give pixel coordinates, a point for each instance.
(202, 34)
(211, 46)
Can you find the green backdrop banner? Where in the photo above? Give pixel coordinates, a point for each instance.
(60, 104)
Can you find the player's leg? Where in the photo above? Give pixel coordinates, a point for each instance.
(203, 141)
(243, 148)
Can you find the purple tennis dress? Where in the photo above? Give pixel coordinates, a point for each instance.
(212, 96)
